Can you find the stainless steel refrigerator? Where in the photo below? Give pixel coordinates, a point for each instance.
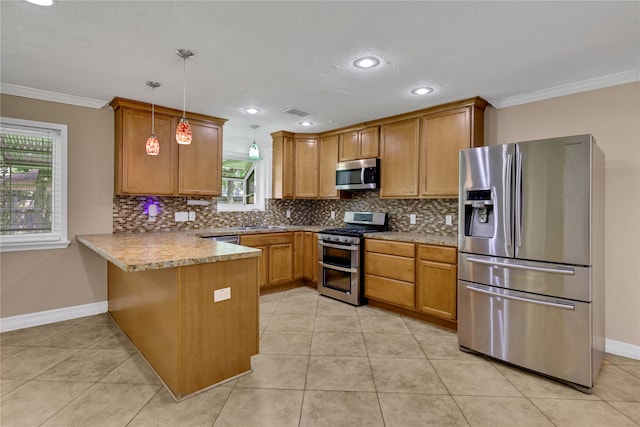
(531, 256)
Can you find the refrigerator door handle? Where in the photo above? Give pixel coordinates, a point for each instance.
(518, 196)
(564, 306)
(558, 270)
(506, 208)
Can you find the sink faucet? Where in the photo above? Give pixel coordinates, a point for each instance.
(251, 224)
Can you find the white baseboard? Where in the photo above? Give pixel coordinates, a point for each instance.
(51, 316)
(622, 349)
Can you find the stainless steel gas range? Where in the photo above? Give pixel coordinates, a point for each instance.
(341, 255)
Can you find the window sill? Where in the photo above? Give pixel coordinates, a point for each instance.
(33, 246)
(238, 208)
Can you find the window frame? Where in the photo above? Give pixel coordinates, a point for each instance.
(58, 238)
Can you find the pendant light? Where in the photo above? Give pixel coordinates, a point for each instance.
(153, 146)
(254, 150)
(183, 131)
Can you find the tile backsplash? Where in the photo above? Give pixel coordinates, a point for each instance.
(130, 213)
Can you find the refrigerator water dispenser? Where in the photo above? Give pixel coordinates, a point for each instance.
(479, 216)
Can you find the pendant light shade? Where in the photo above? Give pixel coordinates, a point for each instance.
(153, 146)
(183, 131)
(254, 150)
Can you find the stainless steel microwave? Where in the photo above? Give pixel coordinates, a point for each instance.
(358, 174)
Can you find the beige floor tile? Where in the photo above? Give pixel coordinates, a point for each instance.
(330, 307)
(620, 360)
(443, 347)
(132, 371)
(105, 405)
(406, 376)
(103, 319)
(115, 340)
(582, 413)
(340, 409)
(79, 336)
(412, 410)
(630, 409)
(331, 323)
(36, 401)
(273, 297)
(632, 369)
(480, 378)
(268, 307)
(292, 306)
(615, 384)
(338, 344)
(9, 350)
(384, 325)
(276, 342)
(339, 373)
(369, 310)
(300, 296)
(33, 361)
(31, 336)
(291, 323)
(264, 321)
(88, 365)
(421, 327)
(261, 408)
(276, 371)
(535, 385)
(198, 410)
(393, 345)
(9, 385)
(501, 412)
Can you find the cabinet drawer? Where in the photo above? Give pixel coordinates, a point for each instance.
(389, 290)
(393, 267)
(437, 253)
(391, 248)
(266, 239)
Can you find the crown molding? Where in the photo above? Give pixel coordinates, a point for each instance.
(568, 89)
(45, 95)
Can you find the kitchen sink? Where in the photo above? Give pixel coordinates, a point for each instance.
(259, 227)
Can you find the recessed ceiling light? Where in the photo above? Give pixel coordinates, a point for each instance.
(41, 2)
(422, 90)
(306, 124)
(366, 62)
(251, 110)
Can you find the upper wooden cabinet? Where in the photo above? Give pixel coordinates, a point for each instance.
(282, 165)
(193, 169)
(327, 167)
(306, 167)
(359, 144)
(399, 158)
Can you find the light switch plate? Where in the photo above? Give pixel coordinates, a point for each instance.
(448, 220)
(412, 218)
(192, 216)
(221, 294)
(288, 213)
(333, 214)
(181, 216)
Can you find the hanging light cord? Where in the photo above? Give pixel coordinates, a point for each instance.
(153, 122)
(184, 87)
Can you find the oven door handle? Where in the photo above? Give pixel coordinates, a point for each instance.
(565, 306)
(345, 247)
(335, 267)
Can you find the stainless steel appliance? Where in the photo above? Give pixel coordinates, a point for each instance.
(341, 255)
(226, 238)
(358, 174)
(531, 256)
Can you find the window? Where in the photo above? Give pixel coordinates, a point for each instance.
(33, 185)
(238, 182)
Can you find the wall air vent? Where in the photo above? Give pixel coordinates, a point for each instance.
(296, 112)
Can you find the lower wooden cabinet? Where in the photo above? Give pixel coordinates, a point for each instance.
(310, 255)
(390, 272)
(276, 265)
(436, 286)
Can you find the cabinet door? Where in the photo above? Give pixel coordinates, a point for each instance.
(443, 135)
(399, 144)
(200, 163)
(282, 166)
(437, 289)
(136, 172)
(263, 266)
(306, 167)
(298, 254)
(369, 142)
(327, 166)
(349, 146)
(311, 256)
(280, 263)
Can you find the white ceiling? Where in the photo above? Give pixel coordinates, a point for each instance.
(298, 54)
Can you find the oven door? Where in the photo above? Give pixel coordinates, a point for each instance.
(339, 271)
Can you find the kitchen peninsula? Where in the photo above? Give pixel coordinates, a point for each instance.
(189, 305)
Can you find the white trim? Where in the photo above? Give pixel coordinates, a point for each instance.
(622, 349)
(51, 316)
(45, 95)
(568, 89)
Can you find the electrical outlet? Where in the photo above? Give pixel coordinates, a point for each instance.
(448, 220)
(412, 218)
(288, 213)
(192, 216)
(333, 214)
(221, 294)
(181, 216)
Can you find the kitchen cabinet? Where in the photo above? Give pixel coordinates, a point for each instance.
(390, 272)
(436, 286)
(400, 158)
(298, 254)
(310, 273)
(193, 169)
(282, 165)
(306, 159)
(276, 266)
(327, 161)
(359, 144)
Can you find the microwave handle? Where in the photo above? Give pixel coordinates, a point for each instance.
(362, 176)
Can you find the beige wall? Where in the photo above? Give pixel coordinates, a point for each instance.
(33, 281)
(612, 115)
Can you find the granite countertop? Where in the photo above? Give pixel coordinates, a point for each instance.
(425, 238)
(224, 231)
(152, 251)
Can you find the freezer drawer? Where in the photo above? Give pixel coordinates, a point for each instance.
(546, 335)
(562, 281)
